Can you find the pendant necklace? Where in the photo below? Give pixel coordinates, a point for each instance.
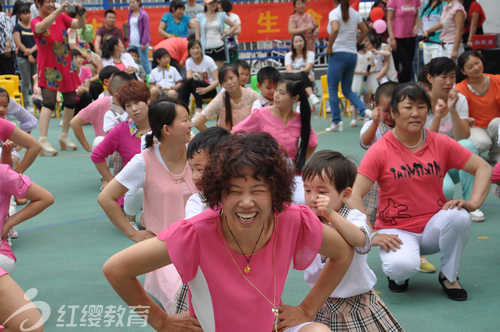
(247, 268)
(273, 304)
(410, 147)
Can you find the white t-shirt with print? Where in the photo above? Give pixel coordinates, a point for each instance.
(204, 69)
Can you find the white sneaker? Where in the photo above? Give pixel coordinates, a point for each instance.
(354, 123)
(13, 233)
(477, 216)
(328, 110)
(336, 127)
(314, 99)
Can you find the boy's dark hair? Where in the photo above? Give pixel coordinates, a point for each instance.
(442, 65)
(226, 5)
(206, 141)
(386, 90)
(333, 167)
(107, 72)
(158, 54)
(268, 73)
(241, 63)
(75, 52)
(133, 50)
(119, 79)
(109, 11)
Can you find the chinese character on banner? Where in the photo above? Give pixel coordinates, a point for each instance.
(95, 313)
(138, 315)
(268, 22)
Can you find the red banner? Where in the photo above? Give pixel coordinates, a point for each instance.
(259, 22)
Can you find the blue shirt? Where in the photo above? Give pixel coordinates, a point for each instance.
(179, 29)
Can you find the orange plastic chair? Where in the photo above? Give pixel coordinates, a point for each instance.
(9, 86)
(344, 102)
(192, 106)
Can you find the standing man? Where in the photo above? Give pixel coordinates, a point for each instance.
(108, 29)
(7, 46)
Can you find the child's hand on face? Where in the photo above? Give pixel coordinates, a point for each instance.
(441, 109)
(324, 205)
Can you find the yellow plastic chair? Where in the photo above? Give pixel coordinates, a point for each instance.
(192, 106)
(9, 86)
(58, 107)
(344, 102)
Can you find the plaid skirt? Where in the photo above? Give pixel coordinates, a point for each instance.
(364, 312)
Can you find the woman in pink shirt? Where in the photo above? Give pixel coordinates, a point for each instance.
(235, 256)
(409, 163)
(452, 29)
(402, 25)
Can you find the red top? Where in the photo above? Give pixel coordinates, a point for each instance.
(56, 69)
(475, 8)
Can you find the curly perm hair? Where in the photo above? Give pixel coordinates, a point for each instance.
(257, 151)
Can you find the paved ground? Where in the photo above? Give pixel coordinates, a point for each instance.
(61, 252)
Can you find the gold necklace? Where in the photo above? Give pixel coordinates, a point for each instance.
(274, 309)
(247, 268)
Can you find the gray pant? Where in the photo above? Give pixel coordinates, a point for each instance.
(27, 71)
(486, 139)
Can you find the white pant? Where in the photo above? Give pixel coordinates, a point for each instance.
(431, 51)
(486, 139)
(448, 232)
(7, 264)
(448, 48)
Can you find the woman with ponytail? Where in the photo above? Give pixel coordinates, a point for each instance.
(163, 172)
(232, 105)
(342, 56)
(291, 129)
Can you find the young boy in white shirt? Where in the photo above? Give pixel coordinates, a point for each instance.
(164, 76)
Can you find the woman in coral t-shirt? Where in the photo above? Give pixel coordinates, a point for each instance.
(409, 163)
(483, 96)
(56, 70)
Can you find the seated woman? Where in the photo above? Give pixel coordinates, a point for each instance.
(483, 95)
(201, 76)
(299, 63)
(419, 221)
(450, 116)
(249, 236)
(292, 130)
(113, 54)
(231, 106)
(175, 23)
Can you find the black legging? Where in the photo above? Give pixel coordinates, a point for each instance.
(403, 58)
(50, 97)
(189, 88)
(300, 76)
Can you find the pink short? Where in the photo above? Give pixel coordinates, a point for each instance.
(2, 272)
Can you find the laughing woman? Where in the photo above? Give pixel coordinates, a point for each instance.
(239, 251)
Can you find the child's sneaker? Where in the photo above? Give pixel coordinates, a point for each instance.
(336, 127)
(314, 99)
(425, 266)
(354, 123)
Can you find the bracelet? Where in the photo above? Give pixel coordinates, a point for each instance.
(372, 235)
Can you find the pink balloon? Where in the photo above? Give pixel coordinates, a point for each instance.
(380, 26)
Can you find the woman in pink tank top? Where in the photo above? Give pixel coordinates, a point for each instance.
(163, 172)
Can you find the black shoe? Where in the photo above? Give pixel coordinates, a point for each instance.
(455, 294)
(397, 288)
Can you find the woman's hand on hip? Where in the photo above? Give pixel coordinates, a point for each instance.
(181, 322)
(387, 241)
(139, 236)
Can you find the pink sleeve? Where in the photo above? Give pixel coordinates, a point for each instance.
(6, 129)
(87, 73)
(66, 20)
(108, 146)
(457, 156)
(251, 123)
(183, 248)
(496, 173)
(313, 138)
(391, 5)
(369, 165)
(14, 183)
(308, 239)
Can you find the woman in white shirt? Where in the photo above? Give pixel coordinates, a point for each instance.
(113, 54)
(299, 64)
(342, 57)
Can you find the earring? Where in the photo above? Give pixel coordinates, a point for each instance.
(221, 212)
